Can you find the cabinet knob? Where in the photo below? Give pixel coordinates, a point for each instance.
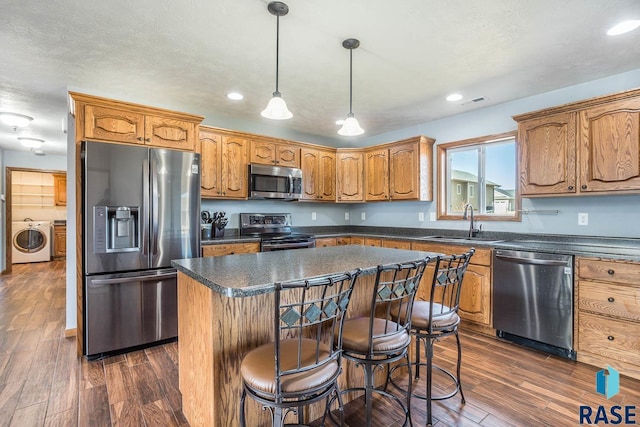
(611, 271)
(139, 138)
(611, 299)
(570, 187)
(584, 186)
(147, 139)
(232, 253)
(610, 338)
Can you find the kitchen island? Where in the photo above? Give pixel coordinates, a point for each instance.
(225, 309)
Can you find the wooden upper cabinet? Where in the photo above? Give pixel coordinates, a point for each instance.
(609, 147)
(586, 147)
(376, 174)
(108, 120)
(110, 124)
(410, 170)
(318, 174)
(224, 165)
(349, 176)
(269, 152)
(60, 189)
(169, 133)
(548, 155)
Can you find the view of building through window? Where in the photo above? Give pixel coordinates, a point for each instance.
(484, 176)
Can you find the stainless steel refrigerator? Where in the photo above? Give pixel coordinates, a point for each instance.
(140, 210)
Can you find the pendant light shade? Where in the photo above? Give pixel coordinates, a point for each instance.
(351, 127)
(277, 108)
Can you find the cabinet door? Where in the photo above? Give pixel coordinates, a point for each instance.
(404, 172)
(610, 147)
(288, 155)
(169, 133)
(311, 174)
(235, 173)
(475, 296)
(325, 242)
(60, 241)
(547, 158)
(110, 124)
(327, 176)
(263, 152)
(60, 189)
(349, 177)
(371, 241)
(396, 244)
(377, 175)
(210, 162)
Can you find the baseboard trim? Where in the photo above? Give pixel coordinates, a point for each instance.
(68, 333)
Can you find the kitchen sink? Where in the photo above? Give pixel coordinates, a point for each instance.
(467, 239)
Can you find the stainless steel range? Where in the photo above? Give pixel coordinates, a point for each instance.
(274, 230)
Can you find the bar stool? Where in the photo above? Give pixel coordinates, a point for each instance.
(377, 340)
(301, 366)
(438, 318)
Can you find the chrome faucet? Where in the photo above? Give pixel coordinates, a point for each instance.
(472, 231)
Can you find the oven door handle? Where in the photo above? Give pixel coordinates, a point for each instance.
(287, 245)
(532, 261)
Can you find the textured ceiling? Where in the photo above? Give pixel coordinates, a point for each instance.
(186, 55)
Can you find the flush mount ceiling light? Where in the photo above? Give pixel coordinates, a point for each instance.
(624, 27)
(454, 97)
(15, 120)
(351, 127)
(277, 108)
(30, 142)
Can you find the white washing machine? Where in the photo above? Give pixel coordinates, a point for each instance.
(31, 241)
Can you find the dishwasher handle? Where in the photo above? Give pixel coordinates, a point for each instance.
(520, 260)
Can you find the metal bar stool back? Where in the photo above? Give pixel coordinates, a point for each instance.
(381, 338)
(302, 365)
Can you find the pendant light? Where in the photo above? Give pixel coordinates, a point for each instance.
(31, 142)
(351, 127)
(15, 120)
(277, 108)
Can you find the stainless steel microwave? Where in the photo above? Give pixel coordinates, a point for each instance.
(274, 182)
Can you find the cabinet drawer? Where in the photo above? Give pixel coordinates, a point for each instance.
(480, 257)
(396, 244)
(372, 242)
(355, 240)
(341, 241)
(614, 339)
(610, 299)
(327, 241)
(230, 249)
(610, 271)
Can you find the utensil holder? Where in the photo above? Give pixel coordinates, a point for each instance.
(206, 231)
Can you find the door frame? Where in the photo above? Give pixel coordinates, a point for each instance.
(9, 208)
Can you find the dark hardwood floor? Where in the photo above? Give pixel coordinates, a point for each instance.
(43, 383)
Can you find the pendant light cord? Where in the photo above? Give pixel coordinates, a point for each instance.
(350, 82)
(277, 50)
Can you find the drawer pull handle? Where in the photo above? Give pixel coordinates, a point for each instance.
(610, 338)
(570, 188)
(611, 271)
(610, 299)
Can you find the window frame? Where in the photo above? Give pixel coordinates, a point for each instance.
(442, 173)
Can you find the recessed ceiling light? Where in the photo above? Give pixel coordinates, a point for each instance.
(235, 96)
(624, 27)
(454, 97)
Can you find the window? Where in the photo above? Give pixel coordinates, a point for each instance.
(480, 172)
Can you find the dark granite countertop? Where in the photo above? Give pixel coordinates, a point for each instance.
(593, 246)
(252, 274)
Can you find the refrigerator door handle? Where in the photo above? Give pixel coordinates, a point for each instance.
(145, 207)
(154, 206)
(102, 282)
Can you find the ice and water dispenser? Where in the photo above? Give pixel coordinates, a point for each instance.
(116, 228)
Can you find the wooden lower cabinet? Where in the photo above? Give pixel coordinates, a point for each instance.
(230, 249)
(396, 244)
(324, 242)
(475, 298)
(342, 241)
(368, 241)
(59, 241)
(608, 314)
(357, 240)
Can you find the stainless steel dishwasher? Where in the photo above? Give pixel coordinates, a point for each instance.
(533, 300)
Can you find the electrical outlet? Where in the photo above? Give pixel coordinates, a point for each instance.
(432, 216)
(583, 218)
(420, 216)
(346, 216)
(364, 216)
(313, 216)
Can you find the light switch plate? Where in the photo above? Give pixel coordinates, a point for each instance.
(432, 216)
(364, 216)
(420, 216)
(313, 216)
(346, 216)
